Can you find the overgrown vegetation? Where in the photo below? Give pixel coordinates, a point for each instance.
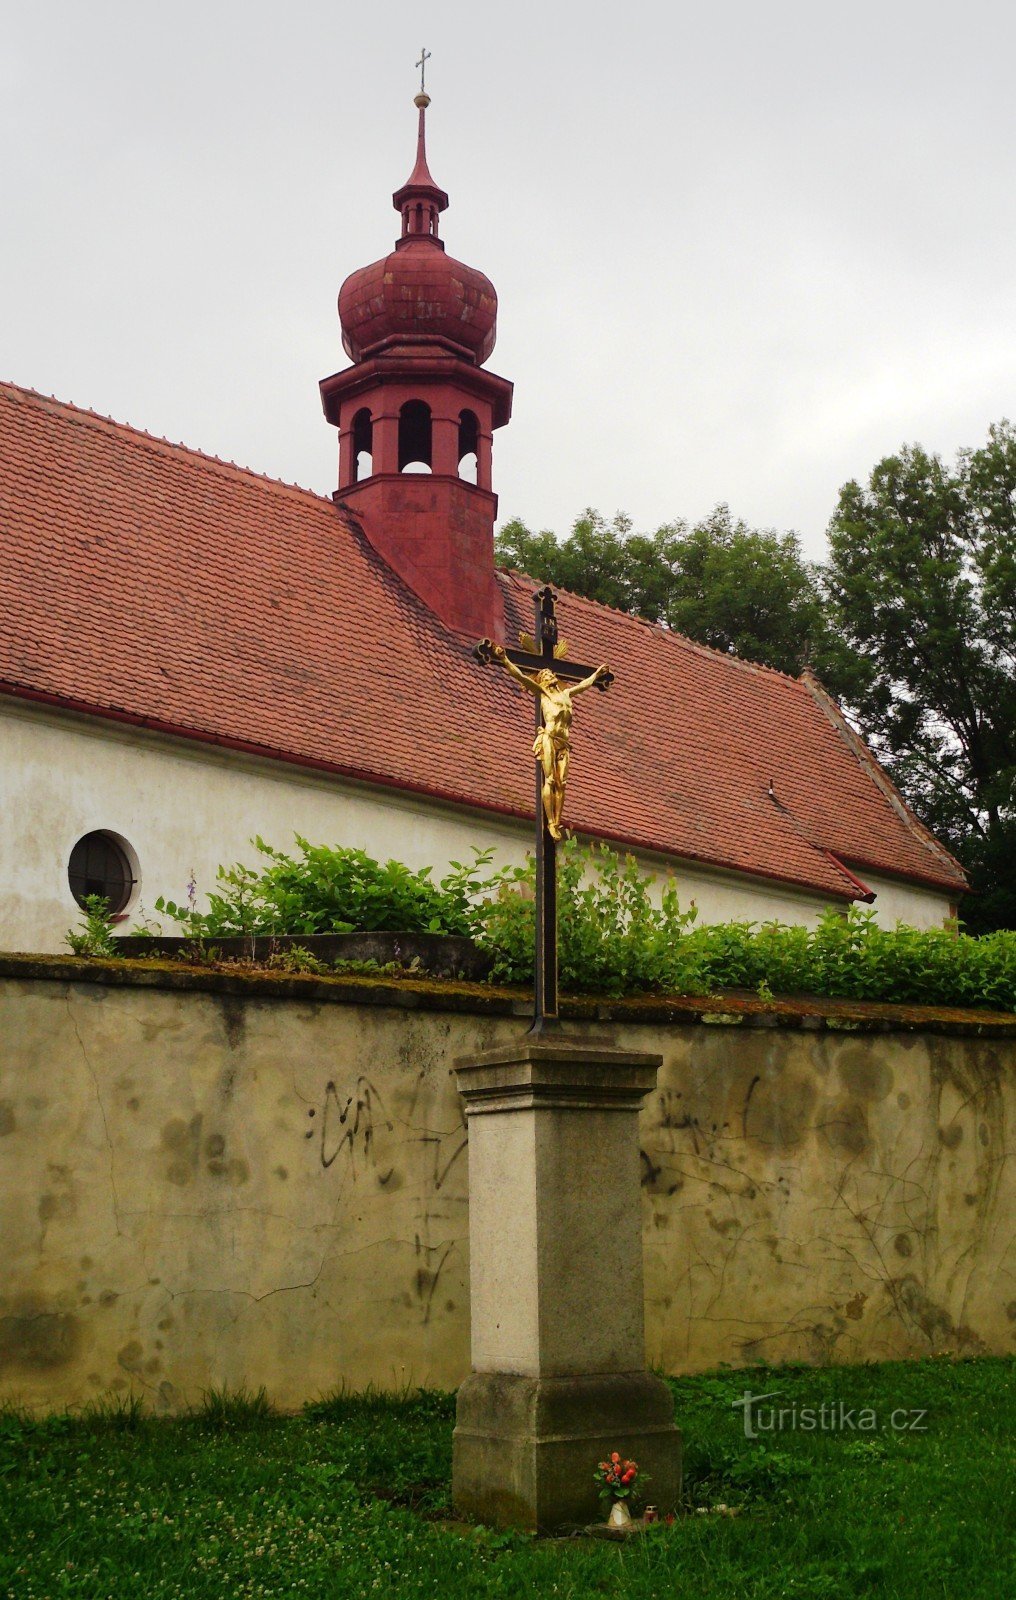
(329, 889)
(351, 1499)
(93, 935)
(617, 936)
(615, 940)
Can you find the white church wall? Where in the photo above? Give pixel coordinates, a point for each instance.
(185, 808)
(896, 901)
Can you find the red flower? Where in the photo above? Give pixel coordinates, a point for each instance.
(615, 1456)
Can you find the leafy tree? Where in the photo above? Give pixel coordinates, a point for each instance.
(745, 591)
(922, 585)
(602, 560)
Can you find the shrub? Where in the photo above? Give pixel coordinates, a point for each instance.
(93, 935)
(325, 889)
(614, 939)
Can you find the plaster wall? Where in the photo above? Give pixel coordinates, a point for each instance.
(200, 1188)
(896, 901)
(183, 807)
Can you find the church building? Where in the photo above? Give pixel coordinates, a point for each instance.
(192, 654)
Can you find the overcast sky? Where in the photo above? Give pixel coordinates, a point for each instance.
(741, 250)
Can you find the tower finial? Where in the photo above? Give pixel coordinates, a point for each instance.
(420, 200)
(423, 98)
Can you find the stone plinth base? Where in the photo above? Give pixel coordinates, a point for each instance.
(526, 1448)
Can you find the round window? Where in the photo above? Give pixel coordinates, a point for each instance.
(99, 865)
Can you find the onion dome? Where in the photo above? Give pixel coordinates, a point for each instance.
(419, 295)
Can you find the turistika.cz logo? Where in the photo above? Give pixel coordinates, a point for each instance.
(832, 1416)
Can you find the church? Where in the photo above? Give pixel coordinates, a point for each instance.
(192, 654)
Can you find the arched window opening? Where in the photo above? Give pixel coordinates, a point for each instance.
(101, 865)
(419, 219)
(363, 445)
(415, 437)
(469, 440)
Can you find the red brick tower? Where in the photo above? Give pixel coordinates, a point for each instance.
(416, 407)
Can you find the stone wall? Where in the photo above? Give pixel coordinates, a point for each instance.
(212, 1179)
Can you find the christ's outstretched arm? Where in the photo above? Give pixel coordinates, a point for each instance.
(501, 657)
(590, 682)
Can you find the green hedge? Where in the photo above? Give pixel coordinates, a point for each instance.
(614, 939)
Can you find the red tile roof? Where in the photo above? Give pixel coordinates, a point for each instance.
(144, 581)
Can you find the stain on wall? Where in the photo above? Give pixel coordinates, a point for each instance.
(868, 1218)
(272, 1191)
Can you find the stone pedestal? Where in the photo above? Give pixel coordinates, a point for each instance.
(555, 1257)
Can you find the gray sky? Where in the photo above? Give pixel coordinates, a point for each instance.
(741, 251)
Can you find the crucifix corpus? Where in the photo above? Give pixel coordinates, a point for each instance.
(541, 667)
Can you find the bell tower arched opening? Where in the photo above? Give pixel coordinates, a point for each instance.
(415, 437)
(469, 445)
(363, 445)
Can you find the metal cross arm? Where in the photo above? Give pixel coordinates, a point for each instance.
(571, 671)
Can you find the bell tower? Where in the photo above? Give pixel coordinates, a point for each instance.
(416, 411)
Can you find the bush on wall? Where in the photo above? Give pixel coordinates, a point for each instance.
(325, 889)
(614, 938)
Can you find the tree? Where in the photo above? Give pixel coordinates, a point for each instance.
(921, 583)
(744, 591)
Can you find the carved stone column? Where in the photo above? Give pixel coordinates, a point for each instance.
(555, 1260)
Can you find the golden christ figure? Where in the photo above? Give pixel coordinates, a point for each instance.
(552, 745)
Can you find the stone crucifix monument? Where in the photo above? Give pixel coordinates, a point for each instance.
(555, 1218)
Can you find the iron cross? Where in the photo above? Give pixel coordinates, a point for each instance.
(425, 56)
(540, 659)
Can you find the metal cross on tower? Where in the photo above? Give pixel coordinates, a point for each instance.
(425, 56)
(542, 657)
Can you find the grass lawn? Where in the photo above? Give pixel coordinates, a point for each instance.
(347, 1499)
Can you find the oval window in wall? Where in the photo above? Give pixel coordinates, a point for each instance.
(100, 865)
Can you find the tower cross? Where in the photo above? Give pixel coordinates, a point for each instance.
(539, 654)
(425, 56)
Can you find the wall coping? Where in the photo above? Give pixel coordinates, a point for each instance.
(727, 1009)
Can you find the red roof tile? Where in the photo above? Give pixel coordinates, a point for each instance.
(145, 581)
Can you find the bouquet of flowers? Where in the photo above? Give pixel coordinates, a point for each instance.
(616, 1479)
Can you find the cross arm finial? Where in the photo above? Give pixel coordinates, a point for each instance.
(425, 56)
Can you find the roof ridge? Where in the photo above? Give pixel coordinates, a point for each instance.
(659, 628)
(85, 416)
